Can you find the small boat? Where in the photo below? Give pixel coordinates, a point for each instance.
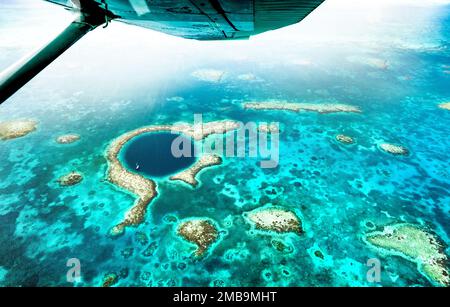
(137, 166)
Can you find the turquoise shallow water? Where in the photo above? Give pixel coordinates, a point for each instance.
(335, 189)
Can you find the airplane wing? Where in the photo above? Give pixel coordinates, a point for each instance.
(194, 19)
(208, 19)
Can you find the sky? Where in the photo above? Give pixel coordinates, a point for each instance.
(334, 18)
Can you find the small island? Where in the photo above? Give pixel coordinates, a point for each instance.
(70, 179)
(67, 138)
(297, 107)
(275, 219)
(16, 128)
(201, 232)
(144, 188)
(415, 244)
(188, 175)
(396, 150)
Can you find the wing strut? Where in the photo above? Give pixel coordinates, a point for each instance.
(17, 75)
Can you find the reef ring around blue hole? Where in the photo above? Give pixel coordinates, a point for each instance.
(150, 154)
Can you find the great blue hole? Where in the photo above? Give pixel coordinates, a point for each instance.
(150, 154)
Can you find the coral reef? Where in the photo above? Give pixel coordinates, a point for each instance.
(150, 249)
(281, 246)
(143, 188)
(319, 254)
(67, 138)
(417, 245)
(445, 106)
(141, 237)
(269, 128)
(344, 139)
(127, 252)
(209, 75)
(175, 99)
(16, 128)
(201, 232)
(372, 62)
(275, 219)
(188, 175)
(110, 280)
(247, 77)
(69, 179)
(378, 63)
(393, 149)
(297, 107)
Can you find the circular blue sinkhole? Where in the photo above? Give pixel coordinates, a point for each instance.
(150, 154)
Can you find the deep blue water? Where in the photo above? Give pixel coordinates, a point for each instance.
(152, 154)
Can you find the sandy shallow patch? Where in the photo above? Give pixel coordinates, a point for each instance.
(16, 128)
(201, 232)
(344, 139)
(417, 245)
(70, 179)
(298, 107)
(397, 150)
(209, 75)
(445, 106)
(188, 175)
(275, 219)
(67, 138)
